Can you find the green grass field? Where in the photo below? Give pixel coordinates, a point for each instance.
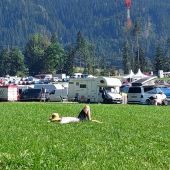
(130, 137)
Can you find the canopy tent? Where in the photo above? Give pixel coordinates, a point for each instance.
(139, 75)
(130, 75)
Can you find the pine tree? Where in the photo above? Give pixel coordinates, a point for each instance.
(167, 56)
(12, 62)
(140, 60)
(159, 59)
(53, 57)
(34, 53)
(136, 32)
(126, 58)
(84, 55)
(68, 60)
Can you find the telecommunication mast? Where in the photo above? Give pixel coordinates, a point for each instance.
(128, 4)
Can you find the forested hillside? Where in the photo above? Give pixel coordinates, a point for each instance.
(103, 22)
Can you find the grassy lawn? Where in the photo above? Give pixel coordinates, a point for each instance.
(130, 137)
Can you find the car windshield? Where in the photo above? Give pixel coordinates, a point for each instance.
(111, 89)
(155, 91)
(32, 91)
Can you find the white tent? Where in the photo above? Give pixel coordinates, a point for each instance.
(130, 75)
(139, 75)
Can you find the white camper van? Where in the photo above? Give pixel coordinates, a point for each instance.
(54, 92)
(101, 89)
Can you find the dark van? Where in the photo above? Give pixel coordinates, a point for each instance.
(30, 95)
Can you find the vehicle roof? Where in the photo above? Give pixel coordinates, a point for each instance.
(142, 86)
(143, 81)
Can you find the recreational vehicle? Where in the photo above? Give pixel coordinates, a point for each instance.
(96, 90)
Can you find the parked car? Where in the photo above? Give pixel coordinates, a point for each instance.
(141, 94)
(166, 91)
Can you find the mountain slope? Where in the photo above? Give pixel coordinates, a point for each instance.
(103, 22)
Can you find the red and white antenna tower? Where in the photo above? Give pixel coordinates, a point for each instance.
(128, 4)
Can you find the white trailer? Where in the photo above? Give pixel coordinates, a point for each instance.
(101, 89)
(54, 92)
(9, 93)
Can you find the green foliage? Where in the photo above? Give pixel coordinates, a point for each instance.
(43, 56)
(126, 58)
(82, 54)
(5, 65)
(34, 53)
(167, 56)
(12, 62)
(69, 60)
(130, 137)
(140, 60)
(133, 54)
(159, 59)
(102, 22)
(53, 58)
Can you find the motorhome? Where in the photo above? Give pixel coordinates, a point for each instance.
(96, 90)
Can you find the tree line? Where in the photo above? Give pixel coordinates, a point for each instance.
(43, 55)
(134, 54)
(103, 22)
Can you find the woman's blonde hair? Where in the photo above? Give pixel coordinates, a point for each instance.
(86, 107)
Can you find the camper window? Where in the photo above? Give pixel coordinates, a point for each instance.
(101, 81)
(52, 92)
(77, 83)
(82, 85)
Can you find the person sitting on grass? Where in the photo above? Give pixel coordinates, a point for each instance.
(84, 115)
(157, 100)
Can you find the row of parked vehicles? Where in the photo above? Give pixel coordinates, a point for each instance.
(142, 93)
(104, 90)
(90, 90)
(145, 95)
(45, 92)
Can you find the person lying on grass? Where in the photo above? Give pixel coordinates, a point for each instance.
(84, 115)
